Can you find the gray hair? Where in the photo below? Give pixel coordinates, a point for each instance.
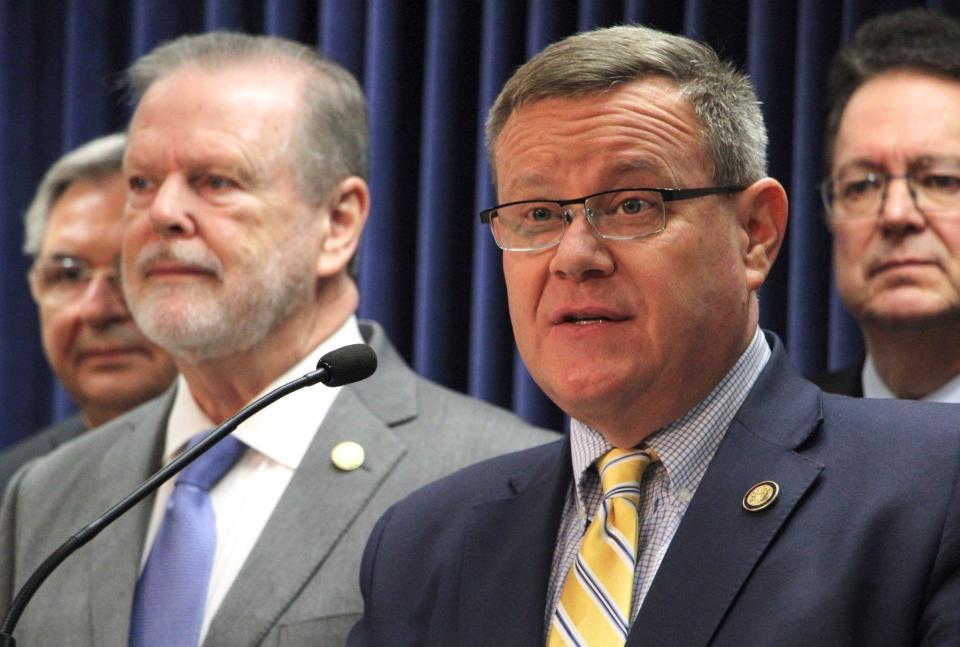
(331, 141)
(593, 62)
(94, 160)
(917, 40)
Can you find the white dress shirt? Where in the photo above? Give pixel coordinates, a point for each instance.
(277, 438)
(874, 386)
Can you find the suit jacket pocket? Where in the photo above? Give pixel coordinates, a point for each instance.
(317, 632)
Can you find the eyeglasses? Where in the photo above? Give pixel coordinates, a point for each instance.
(59, 281)
(933, 184)
(618, 214)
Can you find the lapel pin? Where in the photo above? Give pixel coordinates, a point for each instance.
(347, 456)
(760, 496)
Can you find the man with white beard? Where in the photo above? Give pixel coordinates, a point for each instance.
(246, 201)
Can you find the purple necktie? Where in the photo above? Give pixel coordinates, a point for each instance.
(172, 591)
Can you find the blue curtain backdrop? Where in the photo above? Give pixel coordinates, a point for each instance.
(431, 69)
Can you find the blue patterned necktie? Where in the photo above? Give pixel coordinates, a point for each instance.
(171, 594)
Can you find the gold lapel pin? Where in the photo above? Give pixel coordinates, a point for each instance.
(347, 456)
(760, 496)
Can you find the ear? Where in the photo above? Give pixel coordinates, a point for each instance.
(763, 217)
(348, 206)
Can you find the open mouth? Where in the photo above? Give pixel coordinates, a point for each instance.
(584, 321)
(587, 315)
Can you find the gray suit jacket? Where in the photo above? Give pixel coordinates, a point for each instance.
(38, 444)
(299, 586)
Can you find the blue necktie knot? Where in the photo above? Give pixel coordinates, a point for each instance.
(211, 466)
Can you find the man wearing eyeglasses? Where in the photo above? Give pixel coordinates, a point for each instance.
(706, 493)
(73, 230)
(893, 204)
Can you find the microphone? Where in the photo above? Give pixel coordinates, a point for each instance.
(347, 364)
(342, 366)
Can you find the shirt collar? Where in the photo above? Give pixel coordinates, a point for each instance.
(686, 445)
(875, 387)
(283, 430)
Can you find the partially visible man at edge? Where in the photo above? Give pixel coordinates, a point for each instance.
(245, 168)
(893, 204)
(706, 495)
(73, 229)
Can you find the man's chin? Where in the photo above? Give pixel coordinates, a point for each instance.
(910, 314)
(183, 339)
(121, 391)
(585, 399)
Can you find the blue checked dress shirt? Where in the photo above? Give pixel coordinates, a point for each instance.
(685, 448)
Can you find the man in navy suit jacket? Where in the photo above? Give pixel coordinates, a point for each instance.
(892, 204)
(637, 224)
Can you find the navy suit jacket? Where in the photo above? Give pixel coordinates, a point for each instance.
(848, 381)
(862, 546)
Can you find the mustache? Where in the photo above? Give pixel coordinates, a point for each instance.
(180, 252)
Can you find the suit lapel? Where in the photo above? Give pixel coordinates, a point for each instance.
(113, 557)
(719, 543)
(513, 540)
(320, 502)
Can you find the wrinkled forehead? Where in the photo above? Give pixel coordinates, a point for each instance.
(248, 99)
(644, 129)
(249, 114)
(896, 117)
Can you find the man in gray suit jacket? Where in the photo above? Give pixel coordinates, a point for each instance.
(72, 230)
(245, 168)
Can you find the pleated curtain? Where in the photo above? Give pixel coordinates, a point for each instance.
(430, 69)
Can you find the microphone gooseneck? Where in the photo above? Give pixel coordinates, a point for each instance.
(337, 368)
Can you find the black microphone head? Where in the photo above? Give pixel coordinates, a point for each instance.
(348, 364)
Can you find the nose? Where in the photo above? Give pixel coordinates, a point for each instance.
(102, 303)
(581, 253)
(171, 210)
(898, 209)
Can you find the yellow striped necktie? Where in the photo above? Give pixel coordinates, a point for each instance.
(596, 599)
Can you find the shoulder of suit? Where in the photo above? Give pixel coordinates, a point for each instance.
(456, 405)
(42, 441)
(843, 382)
(488, 479)
(71, 461)
(910, 432)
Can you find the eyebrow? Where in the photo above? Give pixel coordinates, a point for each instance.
(636, 164)
(618, 167)
(78, 258)
(525, 181)
(661, 174)
(913, 162)
(248, 171)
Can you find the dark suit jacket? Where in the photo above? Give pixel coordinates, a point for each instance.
(38, 444)
(848, 381)
(862, 547)
(298, 586)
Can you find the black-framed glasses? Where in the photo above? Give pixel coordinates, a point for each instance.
(617, 214)
(62, 280)
(932, 182)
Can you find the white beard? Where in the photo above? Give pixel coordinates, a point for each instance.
(210, 316)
